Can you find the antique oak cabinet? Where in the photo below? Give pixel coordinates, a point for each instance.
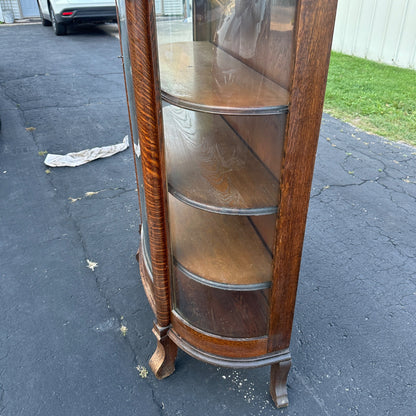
(225, 110)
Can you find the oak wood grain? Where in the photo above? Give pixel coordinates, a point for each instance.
(219, 248)
(141, 26)
(222, 346)
(200, 76)
(248, 71)
(210, 167)
(313, 33)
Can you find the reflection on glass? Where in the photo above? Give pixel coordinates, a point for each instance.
(133, 125)
(145, 228)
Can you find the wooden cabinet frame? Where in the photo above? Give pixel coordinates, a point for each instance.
(312, 37)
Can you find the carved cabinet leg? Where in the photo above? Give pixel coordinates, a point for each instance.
(162, 362)
(278, 380)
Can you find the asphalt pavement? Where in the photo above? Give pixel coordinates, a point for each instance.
(76, 340)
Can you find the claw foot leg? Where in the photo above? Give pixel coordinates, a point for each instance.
(162, 362)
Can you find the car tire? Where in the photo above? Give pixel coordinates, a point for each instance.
(43, 20)
(58, 28)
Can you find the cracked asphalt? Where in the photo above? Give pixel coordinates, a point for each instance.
(61, 348)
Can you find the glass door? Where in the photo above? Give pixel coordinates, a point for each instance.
(224, 84)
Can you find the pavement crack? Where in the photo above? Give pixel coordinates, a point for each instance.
(59, 106)
(1, 398)
(99, 281)
(57, 75)
(91, 194)
(311, 391)
(159, 404)
(344, 185)
(104, 74)
(390, 240)
(10, 98)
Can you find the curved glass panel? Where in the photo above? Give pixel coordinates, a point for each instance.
(224, 77)
(124, 43)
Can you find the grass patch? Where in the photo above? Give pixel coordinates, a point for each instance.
(378, 98)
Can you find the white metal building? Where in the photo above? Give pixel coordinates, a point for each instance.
(19, 8)
(169, 7)
(379, 30)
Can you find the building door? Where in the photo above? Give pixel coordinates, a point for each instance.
(29, 8)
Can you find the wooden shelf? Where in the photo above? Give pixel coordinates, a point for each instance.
(199, 76)
(219, 311)
(210, 167)
(222, 251)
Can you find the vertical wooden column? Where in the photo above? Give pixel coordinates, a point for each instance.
(313, 37)
(141, 24)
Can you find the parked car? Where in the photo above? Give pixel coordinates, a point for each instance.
(60, 13)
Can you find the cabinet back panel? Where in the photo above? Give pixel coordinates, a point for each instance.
(258, 33)
(264, 135)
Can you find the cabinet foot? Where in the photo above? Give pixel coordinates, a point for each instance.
(278, 380)
(162, 362)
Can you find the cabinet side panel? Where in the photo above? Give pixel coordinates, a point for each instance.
(314, 28)
(141, 26)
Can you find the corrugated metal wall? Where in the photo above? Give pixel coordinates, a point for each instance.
(380, 30)
(169, 7)
(11, 5)
(158, 7)
(173, 7)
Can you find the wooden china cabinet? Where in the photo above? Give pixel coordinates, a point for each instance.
(225, 120)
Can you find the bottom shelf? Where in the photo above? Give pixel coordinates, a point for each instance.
(228, 313)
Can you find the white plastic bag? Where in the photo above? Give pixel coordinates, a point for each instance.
(85, 156)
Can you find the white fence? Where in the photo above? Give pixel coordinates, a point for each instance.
(380, 30)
